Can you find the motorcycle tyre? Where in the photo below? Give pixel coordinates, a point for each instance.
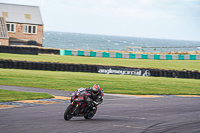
(89, 117)
(68, 112)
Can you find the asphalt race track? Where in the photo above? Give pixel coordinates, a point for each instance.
(119, 114)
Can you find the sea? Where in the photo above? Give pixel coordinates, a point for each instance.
(67, 40)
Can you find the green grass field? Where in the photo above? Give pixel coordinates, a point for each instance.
(7, 95)
(142, 63)
(120, 84)
(124, 84)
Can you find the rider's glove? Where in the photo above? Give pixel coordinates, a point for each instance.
(95, 103)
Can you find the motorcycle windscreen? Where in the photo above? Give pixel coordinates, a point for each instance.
(79, 99)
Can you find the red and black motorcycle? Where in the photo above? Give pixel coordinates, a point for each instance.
(79, 106)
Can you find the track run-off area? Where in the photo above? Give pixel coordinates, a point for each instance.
(118, 113)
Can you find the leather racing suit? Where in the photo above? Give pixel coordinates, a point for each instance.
(94, 99)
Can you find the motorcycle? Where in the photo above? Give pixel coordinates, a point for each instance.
(79, 106)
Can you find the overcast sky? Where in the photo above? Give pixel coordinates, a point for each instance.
(166, 19)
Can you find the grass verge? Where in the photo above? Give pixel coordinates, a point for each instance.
(120, 84)
(7, 95)
(142, 63)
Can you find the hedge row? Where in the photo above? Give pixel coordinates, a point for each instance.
(51, 66)
(28, 50)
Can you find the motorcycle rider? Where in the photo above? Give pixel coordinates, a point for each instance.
(96, 95)
(95, 98)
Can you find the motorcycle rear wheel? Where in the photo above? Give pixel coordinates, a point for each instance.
(90, 115)
(68, 112)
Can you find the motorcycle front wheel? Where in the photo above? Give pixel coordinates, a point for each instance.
(68, 112)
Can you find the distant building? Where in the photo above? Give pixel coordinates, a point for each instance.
(21, 25)
(4, 38)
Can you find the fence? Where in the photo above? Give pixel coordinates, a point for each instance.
(129, 55)
(36, 50)
(19, 50)
(52, 66)
(163, 49)
(28, 50)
